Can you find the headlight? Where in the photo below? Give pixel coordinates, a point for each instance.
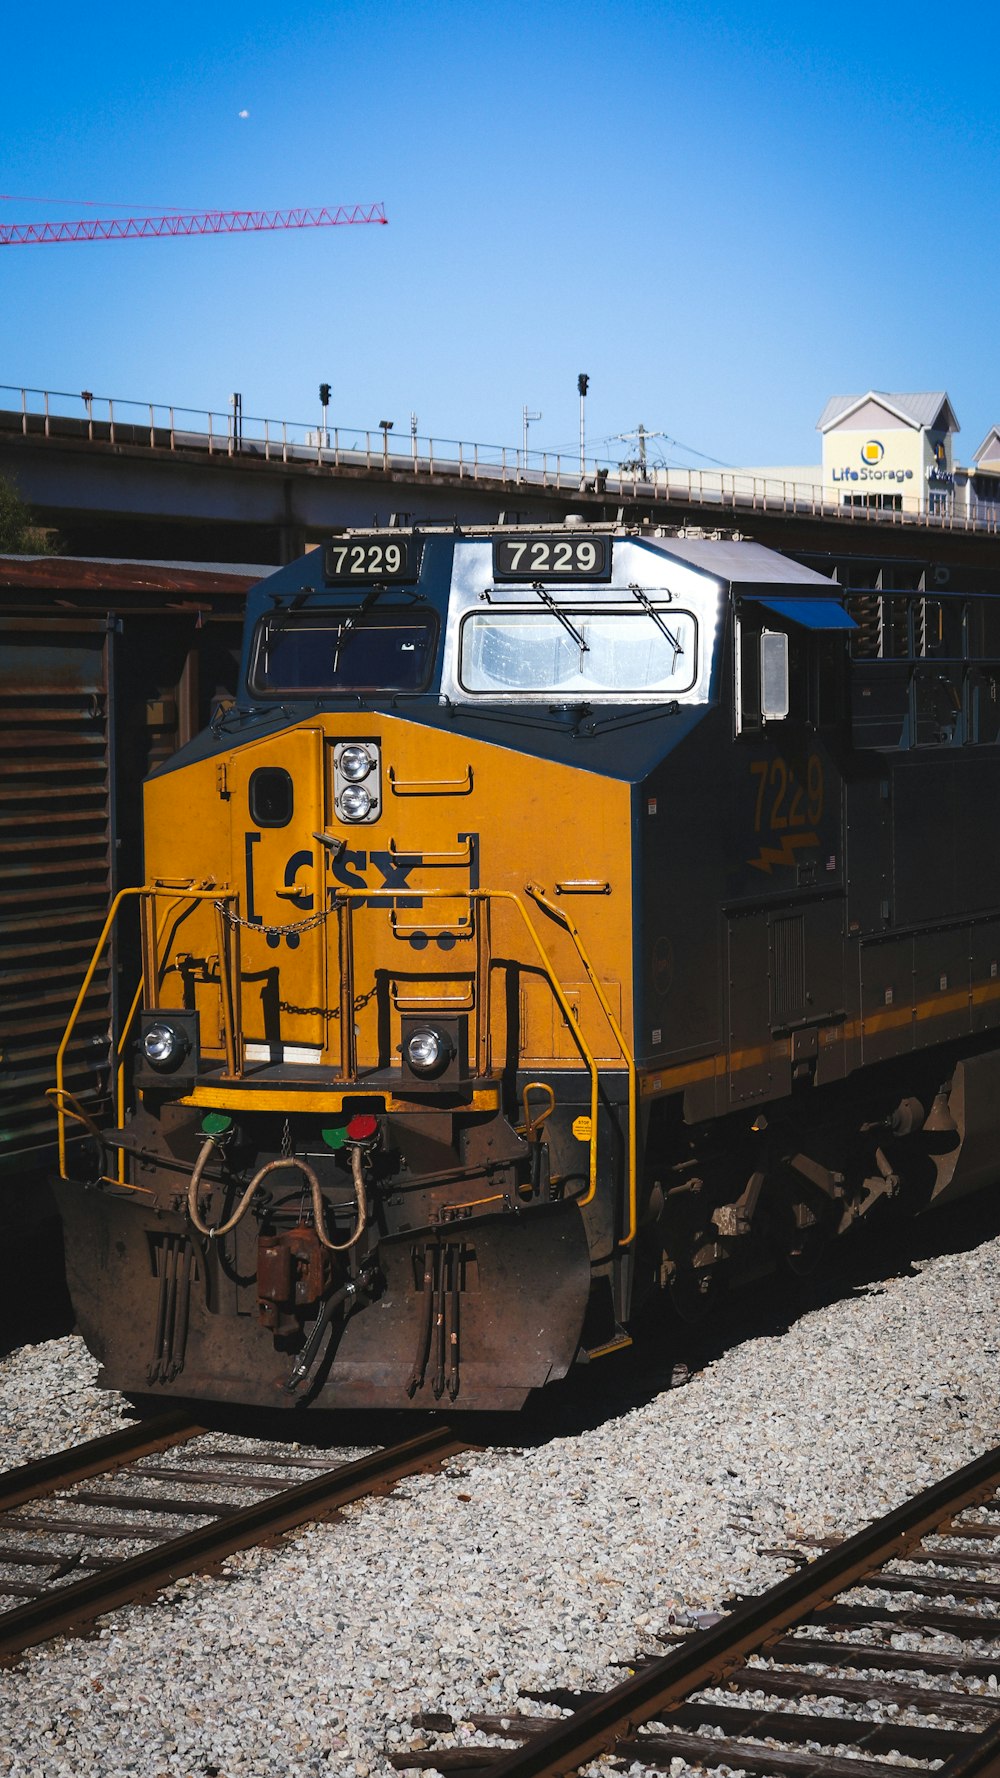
(357, 780)
(428, 1051)
(355, 802)
(355, 763)
(164, 1047)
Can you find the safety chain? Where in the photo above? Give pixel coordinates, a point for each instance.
(306, 925)
(360, 1000)
(326, 1012)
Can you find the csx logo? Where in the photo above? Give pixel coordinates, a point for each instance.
(384, 875)
(359, 870)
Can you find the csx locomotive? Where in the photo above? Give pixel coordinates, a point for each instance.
(558, 917)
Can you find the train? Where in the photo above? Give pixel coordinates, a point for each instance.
(106, 667)
(561, 920)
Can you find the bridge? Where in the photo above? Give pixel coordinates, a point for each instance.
(150, 480)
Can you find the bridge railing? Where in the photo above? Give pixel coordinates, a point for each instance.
(157, 426)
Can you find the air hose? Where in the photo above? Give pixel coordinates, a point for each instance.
(319, 1209)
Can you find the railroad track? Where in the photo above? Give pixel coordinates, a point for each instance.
(738, 1694)
(63, 1590)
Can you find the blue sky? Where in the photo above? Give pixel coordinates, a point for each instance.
(724, 214)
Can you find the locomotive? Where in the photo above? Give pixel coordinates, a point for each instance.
(559, 918)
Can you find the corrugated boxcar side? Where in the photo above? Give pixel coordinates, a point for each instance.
(105, 667)
(56, 841)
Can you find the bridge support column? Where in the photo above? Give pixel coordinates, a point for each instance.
(291, 532)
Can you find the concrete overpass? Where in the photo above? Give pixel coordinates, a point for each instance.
(137, 480)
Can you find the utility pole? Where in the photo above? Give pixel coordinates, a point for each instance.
(386, 426)
(236, 403)
(641, 436)
(526, 418)
(582, 383)
(324, 402)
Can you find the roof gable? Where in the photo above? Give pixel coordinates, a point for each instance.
(989, 450)
(930, 410)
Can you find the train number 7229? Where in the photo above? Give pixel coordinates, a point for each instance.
(783, 801)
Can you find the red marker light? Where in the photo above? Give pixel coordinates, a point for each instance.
(362, 1128)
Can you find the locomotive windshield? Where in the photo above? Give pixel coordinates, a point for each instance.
(626, 652)
(324, 652)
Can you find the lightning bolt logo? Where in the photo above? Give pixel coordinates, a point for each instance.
(785, 854)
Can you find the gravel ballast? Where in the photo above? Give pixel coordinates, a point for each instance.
(514, 1567)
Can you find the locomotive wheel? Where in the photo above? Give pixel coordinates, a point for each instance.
(692, 1294)
(809, 1230)
(813, 1244)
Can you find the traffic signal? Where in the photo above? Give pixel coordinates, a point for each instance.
(324, 395)
(582, 382)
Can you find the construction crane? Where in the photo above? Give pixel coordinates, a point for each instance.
(207, 222)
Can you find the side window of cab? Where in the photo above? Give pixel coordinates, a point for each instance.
(786, 675)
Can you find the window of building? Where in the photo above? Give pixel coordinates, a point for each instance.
(875, 502)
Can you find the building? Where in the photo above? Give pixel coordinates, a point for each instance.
(977, 490)
(890, 452)
(882, 455)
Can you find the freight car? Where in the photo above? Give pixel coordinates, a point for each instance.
(559, 917)
(105, 668)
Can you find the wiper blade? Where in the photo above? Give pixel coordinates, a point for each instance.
(549, 602)
(412, 596)
(350, 622)
(650, 609)
(343, 631)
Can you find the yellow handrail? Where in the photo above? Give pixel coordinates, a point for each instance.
(127, 1026)
(563, 919)
(122, 895)
(488, 895)
(75, 1108)
(219, 894)
(120, 1071)
(149, 889)
(577, 1034)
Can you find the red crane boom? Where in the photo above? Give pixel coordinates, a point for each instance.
(208, 222)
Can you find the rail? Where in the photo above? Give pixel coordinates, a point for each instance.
(781, 1645)
(165, 428)
(103, 1583)
(229, 923)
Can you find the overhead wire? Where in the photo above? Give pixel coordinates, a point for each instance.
(690, 449)
(597, 444)
(9, 197)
